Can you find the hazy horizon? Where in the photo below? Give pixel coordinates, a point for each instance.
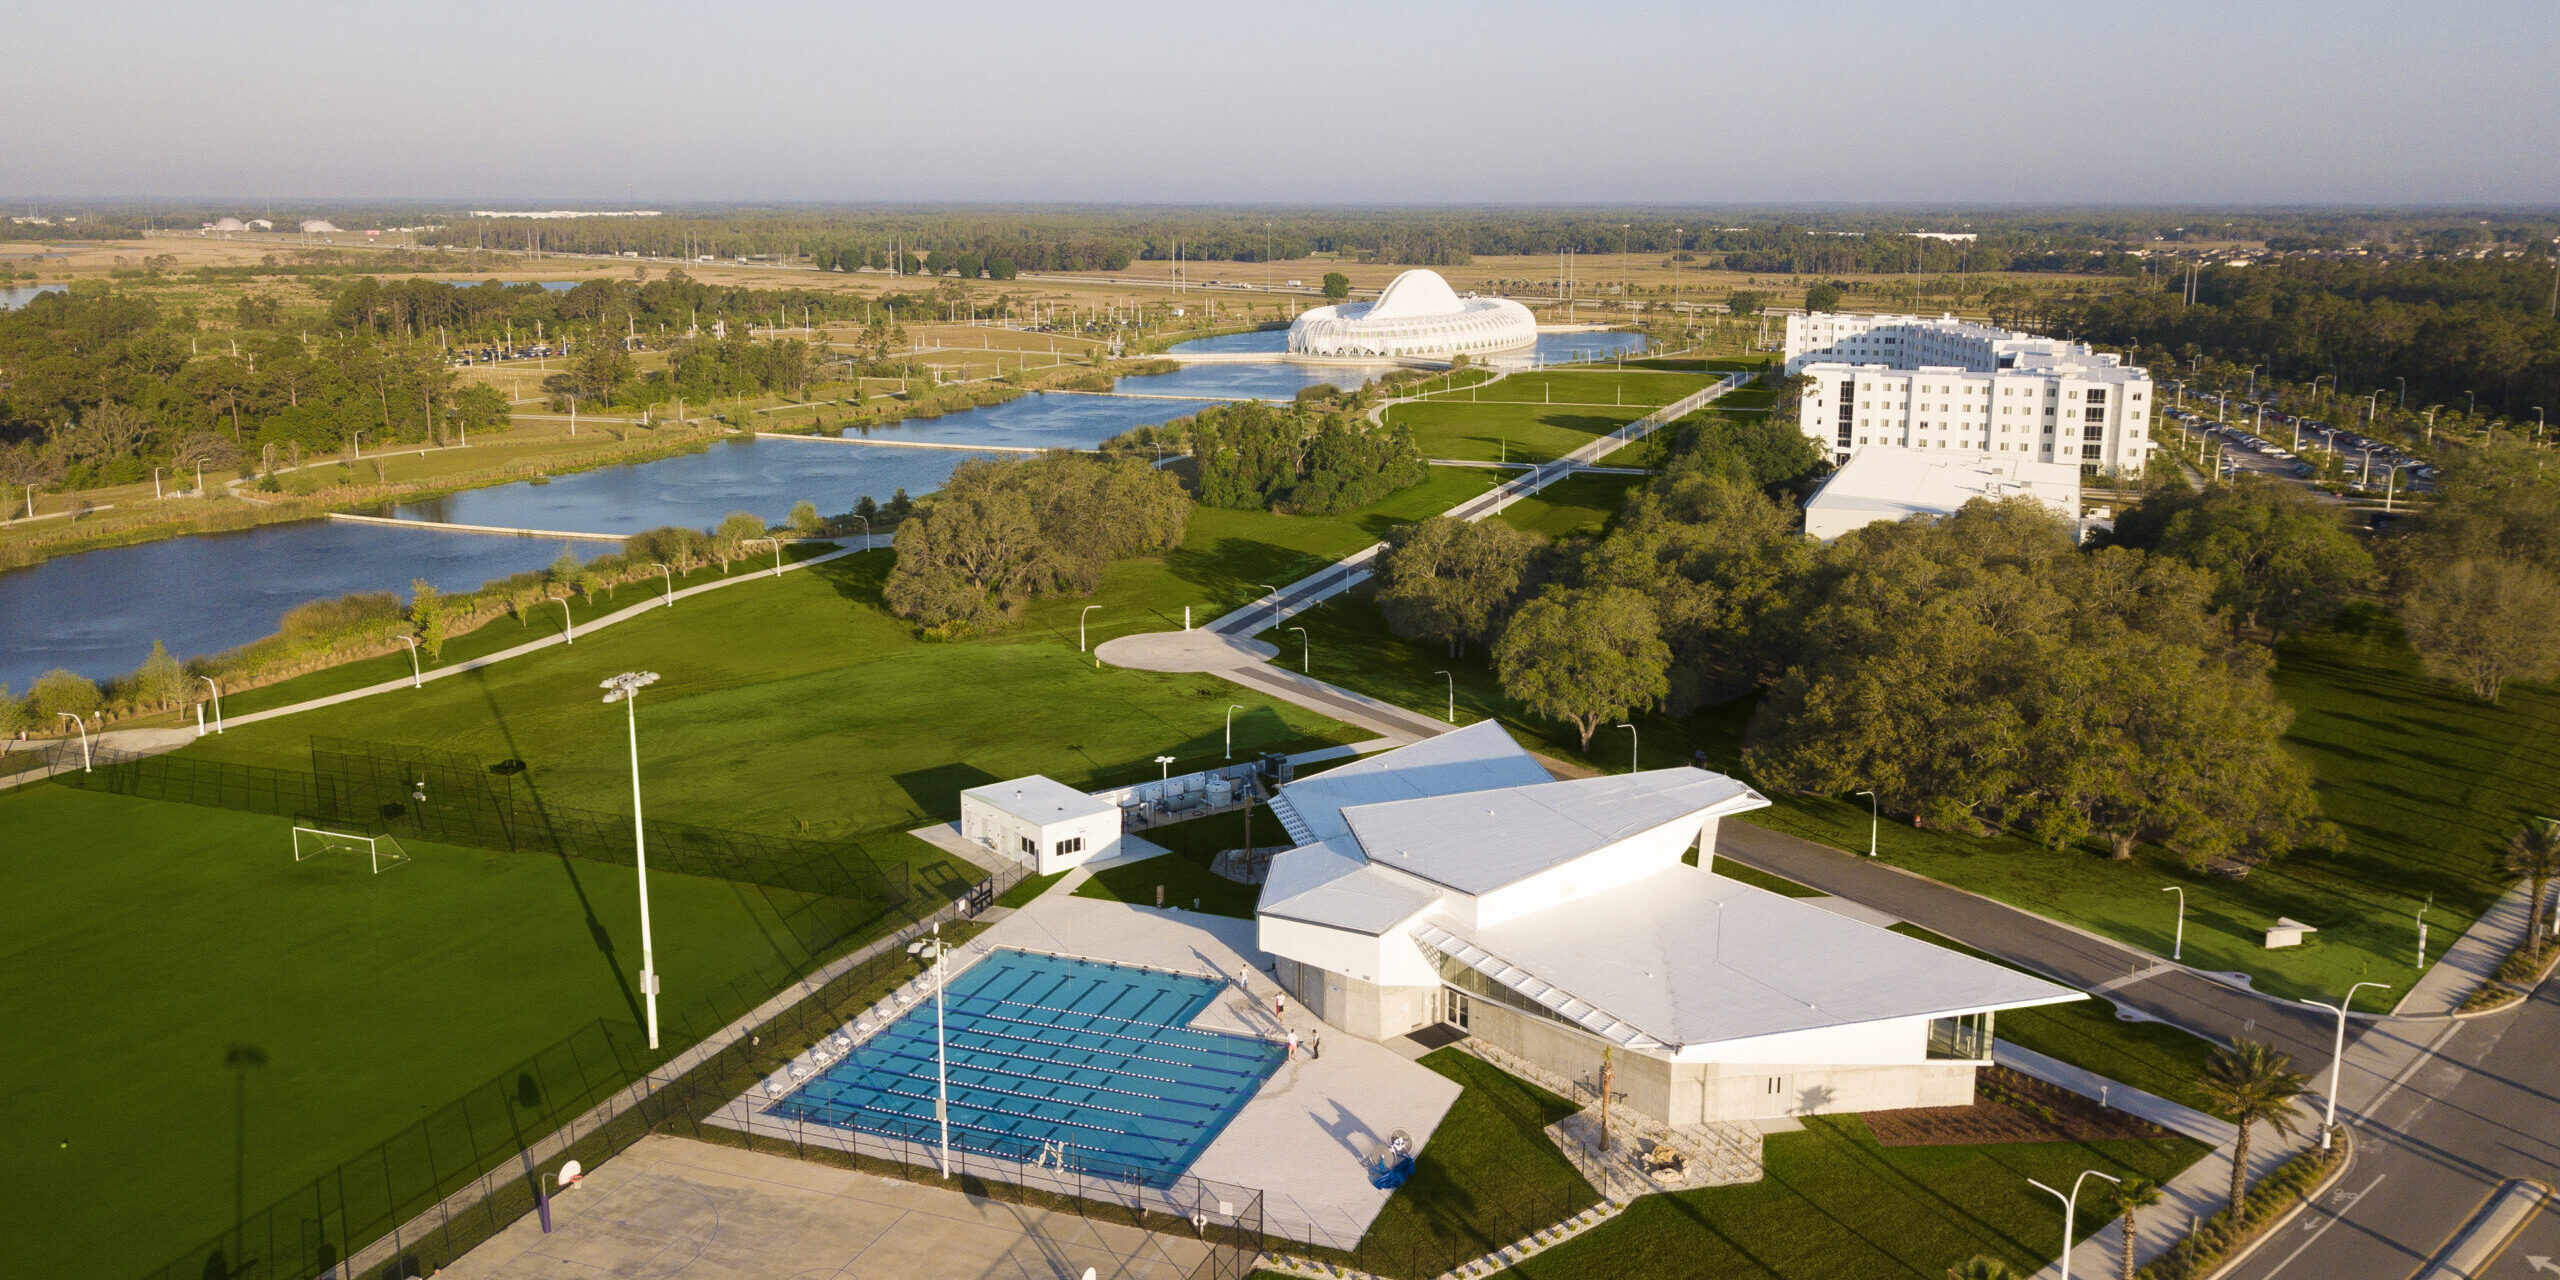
(1325, 105)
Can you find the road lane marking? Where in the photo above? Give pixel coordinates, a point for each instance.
(2335, 1215)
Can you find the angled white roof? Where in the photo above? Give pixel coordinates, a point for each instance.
(1330, 884)
(1040, 799)
(1480, 757)
(1480, 840)
(1684, 958)
(1419, 292)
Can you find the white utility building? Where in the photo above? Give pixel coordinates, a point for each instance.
(1043, 822)
(1897, 484)
(1455, 882)
(1419, 316)
(1952, 385)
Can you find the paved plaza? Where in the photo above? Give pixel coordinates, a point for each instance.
(670, 1207)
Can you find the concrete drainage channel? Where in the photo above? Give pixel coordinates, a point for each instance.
(1502, 1259)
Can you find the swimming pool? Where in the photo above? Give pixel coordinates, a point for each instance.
(1080, 1063)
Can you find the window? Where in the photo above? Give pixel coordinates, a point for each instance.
(1066, 847)
(1030, 847)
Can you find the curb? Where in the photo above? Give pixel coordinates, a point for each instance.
(2277, 1225)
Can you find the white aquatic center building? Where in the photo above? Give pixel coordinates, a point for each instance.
(1455, 882)
(1953, 385)
(1418, 316)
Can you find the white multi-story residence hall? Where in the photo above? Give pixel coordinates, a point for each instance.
(1455, 882)
(1948, 384)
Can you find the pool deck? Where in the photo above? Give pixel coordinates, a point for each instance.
(1301, 1138)
(672, 1207)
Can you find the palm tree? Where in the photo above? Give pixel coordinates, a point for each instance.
(2251, 1083)
(2534, 853)
(1982, 1267)
(2131, 1197)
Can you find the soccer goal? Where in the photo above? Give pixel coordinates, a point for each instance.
(382, 851)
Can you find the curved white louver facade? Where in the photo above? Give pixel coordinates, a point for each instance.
(1418, 315)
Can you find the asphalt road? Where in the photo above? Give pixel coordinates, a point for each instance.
(2169, 993)
(2432, 1146)
(2484, 1109)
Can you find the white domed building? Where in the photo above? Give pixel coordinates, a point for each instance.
(1419, 315)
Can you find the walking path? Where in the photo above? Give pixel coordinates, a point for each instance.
(877, 443)
(442, 526)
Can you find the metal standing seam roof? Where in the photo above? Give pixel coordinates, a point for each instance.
(1479, 757)
(1041, 799)
(1479, 841)
(1332, 885)
(1683, 958)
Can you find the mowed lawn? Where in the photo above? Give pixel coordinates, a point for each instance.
(798, 706)
(1594, 385)
(1835, 1204)
(1580, 505)
(2424, 782)
(149, 944)
(1520, 432)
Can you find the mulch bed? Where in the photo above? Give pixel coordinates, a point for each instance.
(2008, 1107)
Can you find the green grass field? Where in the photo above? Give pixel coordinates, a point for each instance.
(2424, 781)
(796, 706)
(1184, 872)
(1488, 1176)
(1594, 385)
(149, 943)
(1580, 505)
(1519, 432)
(1836, 1204)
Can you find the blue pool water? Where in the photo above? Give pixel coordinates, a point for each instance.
(1091, 1056)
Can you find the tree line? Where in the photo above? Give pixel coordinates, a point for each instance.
(1979, 672)
(1000, 534)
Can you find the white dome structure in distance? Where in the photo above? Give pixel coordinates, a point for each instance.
(1418, 316)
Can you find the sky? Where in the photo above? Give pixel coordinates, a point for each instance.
(645, 103)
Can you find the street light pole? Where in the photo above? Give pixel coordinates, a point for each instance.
(417, 680)
(2069, 1204)
(625, 689)
(1875, 819)
(217, 701)
(2338, 1056)
(1273, 593)
(1230, 752)
(670, 576)
(1080, 617)
(1453, 695)
(1164, 768)
(1305, 651)
(1633, 742)
(2178, 945)
(568, 625)
(84, 737)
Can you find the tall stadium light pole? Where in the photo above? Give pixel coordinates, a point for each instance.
(2178, 941)
(417, 678)
(941, 1055)
(2069, 1204)
(1453, 695)
(1633, 743)
(2338, 1055)
(1875, 820)
(84, 737)
(670, 576)
(217, 701)
(625, 689)
(1164, 768)
(1305, 651)
(1086, 612)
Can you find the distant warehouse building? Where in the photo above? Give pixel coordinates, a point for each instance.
(1897, 484)
(1946, 384)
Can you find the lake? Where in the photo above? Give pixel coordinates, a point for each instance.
(98, 612)
(16, 296)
